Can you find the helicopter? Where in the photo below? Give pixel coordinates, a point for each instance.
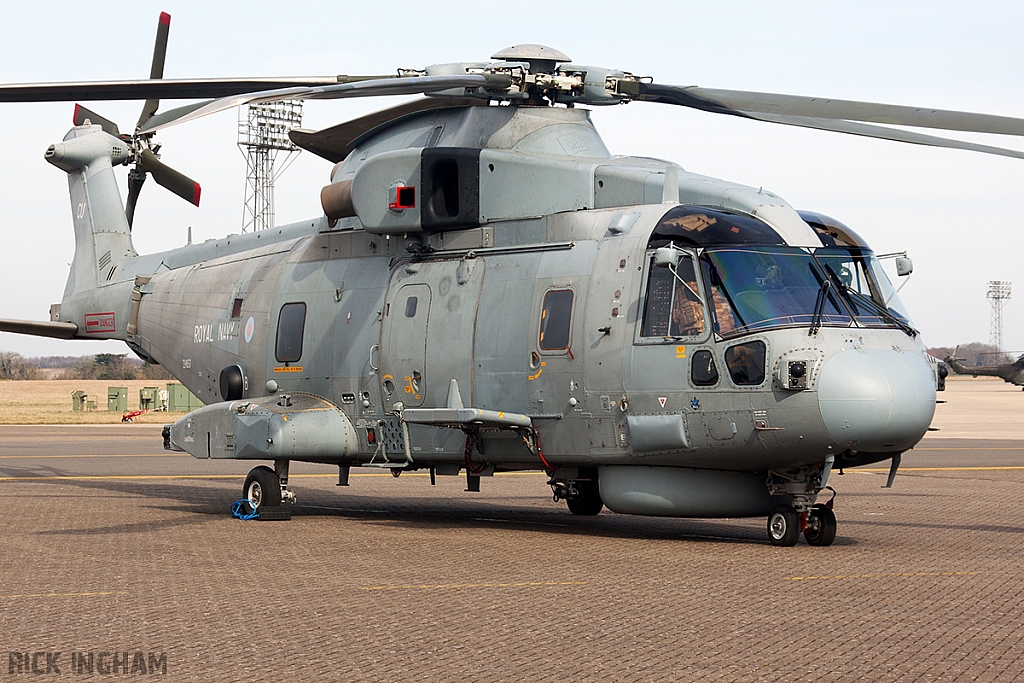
(489, 289)
(1012, 373)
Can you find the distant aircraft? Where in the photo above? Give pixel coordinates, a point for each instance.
(1010, 372)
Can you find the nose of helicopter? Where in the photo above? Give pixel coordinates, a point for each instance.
(877, 400)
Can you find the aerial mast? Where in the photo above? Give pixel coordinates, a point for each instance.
(262, 135)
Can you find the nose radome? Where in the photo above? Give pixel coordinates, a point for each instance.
(883, 400)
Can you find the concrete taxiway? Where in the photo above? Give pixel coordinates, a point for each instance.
(109, 544)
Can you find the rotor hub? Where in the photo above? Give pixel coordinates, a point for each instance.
(542, 59)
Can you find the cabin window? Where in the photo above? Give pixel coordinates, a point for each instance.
(291, 324)
(410, 306)
(746, 363)
(673, 307)
(555, 319)
(703, 372)
(236, 309)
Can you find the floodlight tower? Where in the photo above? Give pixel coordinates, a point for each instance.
(998, 292)
(262, 135)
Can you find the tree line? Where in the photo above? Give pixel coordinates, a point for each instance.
(109, 366)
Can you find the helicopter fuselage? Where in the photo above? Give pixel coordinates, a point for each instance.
(695, 344)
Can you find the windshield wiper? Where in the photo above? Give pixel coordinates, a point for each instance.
(882, 311)
(854, 296)
(819, 307)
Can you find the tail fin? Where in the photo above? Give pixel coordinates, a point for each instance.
(103, 241)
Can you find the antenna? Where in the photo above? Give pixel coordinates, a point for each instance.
(262, 134)
(998, 292)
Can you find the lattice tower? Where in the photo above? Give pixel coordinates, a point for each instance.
(998, 293)
(262, 137)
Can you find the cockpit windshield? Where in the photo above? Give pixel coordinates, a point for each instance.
(756, 288)
(750, 280)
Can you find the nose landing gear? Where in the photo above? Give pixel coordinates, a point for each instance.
(816, 521)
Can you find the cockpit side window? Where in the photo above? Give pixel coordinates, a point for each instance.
(290, 325)
(703, 372)
(555, 320)
(746, 363)
(673, 307)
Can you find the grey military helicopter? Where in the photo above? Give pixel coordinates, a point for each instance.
(488, 289)
(1012, 373)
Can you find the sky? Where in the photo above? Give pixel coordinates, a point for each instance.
(956, 213)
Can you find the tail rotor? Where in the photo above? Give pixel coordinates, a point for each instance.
(145, 157)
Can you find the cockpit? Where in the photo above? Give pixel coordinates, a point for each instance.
(733, 274)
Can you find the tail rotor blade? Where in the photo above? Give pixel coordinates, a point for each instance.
(82, 115)
(156, 71)
(135, 180)
(165, 176)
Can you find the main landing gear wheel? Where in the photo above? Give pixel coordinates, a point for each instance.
(262, 488)
(821, 526)
(587, 500)
(784, 526)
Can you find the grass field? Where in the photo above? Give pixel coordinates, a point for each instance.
(49, 402)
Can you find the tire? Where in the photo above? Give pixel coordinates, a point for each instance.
(262, 488)
(821, 526)
(784, 526)
(589, 501)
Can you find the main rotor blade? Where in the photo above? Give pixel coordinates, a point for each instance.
(82, 115)
(738, 102)
(156, 70)
(883, 133)
(39, 329)
(167, 89)
(164, 175)
(410, 85)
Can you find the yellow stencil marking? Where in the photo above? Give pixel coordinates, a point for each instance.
(290, 368)
(61, 595)
(540, 370)
(680, 352)
(879, 576)
(440, 586)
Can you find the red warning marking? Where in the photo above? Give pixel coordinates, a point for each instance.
(99, 322)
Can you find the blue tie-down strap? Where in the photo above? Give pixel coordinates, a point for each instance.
(238, 507)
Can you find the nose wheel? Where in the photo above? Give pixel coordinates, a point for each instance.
(784, 526)
(821, 526)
